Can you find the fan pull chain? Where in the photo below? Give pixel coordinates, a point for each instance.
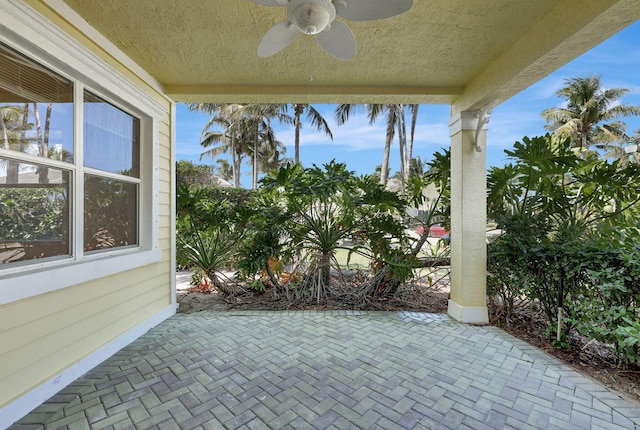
(310, 78)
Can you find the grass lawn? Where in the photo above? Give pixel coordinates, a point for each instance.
(357, 261)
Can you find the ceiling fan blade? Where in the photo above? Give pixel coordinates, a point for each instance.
(338, 41)
(271, 2)
(277, 38)
(369, 10)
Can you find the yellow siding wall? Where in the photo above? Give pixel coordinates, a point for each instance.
(42, 336)
(45, 334)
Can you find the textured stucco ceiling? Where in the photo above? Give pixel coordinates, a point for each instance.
(439, 51)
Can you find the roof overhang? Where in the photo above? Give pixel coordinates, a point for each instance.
(466, 53)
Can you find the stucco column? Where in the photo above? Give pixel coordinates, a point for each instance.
(468, 301)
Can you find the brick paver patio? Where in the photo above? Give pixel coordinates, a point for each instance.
(332, 370)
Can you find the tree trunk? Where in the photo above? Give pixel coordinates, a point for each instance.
(274, 280)
(47, 126)
(220, 285)
(384, 170)
(423, 239)
(43, 172)
(234, 163)
(297, 109)
(12, 166)
(254, 184)
(5, 134)
(433, 262)
(324, 265)
(39, 138)
(414, 120)
(402, 143)
(385, 284)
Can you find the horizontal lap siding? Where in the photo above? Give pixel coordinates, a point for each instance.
(60, 328)
(73, 332)
(165, 133)
(42, 336)
(165, 179)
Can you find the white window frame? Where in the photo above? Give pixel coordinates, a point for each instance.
(26, 31)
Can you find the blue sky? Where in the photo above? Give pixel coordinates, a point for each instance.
(360, 145)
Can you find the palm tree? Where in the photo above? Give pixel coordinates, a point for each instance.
(258, 117)
(344, 112)
(13, 125)
(224, 169)
(395, 120)
(9, 119)
(415, 167)
(271, 156)
(314, 117)
(590, 116)
(402, 144)
(414, 119)
(629, 153)
(229, 140)
(42, 138)
(246, 129)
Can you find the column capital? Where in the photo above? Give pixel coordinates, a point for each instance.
(473, 120)
(469, 120)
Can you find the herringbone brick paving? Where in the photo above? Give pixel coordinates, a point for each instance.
(332, 370)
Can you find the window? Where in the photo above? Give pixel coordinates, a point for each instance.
(111, 138)
(36, 139)
(110, 213)
(34, 212)
(48, 177)
(106, 135)
(111, 152)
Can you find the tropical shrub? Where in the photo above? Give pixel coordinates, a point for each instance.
(210, 229)
(210, 251)
(193, 175)
(569, 241)
(610, 312)
(397, 270)
(628, 339)
(32, 214)
(320, 210)
(264, 251)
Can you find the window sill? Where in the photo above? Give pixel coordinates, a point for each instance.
(40, 278)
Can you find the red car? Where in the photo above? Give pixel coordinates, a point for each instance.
(438, 231)
(434, 231)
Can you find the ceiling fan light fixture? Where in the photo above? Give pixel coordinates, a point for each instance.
(311, 16)
(318, 18)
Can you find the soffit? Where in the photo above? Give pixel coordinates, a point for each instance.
(203, 50)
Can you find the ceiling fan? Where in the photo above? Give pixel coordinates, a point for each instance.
(317, 17)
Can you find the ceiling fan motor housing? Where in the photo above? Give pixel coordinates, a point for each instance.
(311, 16)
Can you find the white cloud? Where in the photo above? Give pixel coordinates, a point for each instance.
(544, 90)
(510, 122)
(355, 135)
(358, 135)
